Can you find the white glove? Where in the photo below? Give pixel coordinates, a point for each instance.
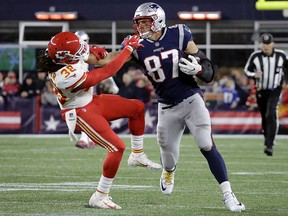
(190, 68)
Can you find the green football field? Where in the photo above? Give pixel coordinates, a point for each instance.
(49, 176)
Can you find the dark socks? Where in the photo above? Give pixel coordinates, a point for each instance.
(216, 164)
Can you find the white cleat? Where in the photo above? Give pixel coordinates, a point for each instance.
(231, 203)
(102, 202)
(167, 182)
(142, 160)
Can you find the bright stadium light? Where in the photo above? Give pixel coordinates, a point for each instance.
(199, 15)
(56, 15)
(53, 15)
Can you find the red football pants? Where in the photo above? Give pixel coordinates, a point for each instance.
(93, 119)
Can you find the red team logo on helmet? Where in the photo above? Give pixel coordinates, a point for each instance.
(62, 54)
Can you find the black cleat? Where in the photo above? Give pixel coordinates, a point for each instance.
(268, 151)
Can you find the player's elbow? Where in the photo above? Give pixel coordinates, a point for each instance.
(208, 71)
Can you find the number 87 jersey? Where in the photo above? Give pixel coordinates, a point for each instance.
(160, 60)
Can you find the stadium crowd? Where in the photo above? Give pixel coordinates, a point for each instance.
(230, 90)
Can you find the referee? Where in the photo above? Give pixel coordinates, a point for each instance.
(265, 66)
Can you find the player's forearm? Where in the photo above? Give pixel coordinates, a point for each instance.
(98, 74)
(208, 69)
(102, 62)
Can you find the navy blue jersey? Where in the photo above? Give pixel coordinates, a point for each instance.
(160, 61)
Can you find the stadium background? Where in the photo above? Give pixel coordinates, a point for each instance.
(228, 42)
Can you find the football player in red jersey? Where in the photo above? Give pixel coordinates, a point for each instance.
(64, 60)
(84, 141)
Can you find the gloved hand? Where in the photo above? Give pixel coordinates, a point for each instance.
(190, 67)
(133, 42)
(98, 52)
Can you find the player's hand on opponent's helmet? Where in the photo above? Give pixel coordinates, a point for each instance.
(133, 42)
(98, 52)
(190, 67)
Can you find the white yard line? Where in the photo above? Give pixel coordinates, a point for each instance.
(65, 186)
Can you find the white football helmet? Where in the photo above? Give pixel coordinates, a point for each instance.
(83, 36)
(151, 11)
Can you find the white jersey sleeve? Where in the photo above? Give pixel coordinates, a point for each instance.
(65, 80)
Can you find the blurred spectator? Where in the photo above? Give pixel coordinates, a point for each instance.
(11, 85)
(285, 94)
(241, 85)
(128, 88)
(40, 82)
(1, 86)
(10, 90)
(134, 84)
(230, 94)
(47, 96)
(143, 89)
(251, 102)
(107, 86)
(1, 80)
(230, 88)
(27, 88)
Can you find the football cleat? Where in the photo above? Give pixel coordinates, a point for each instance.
(91, 144)
(141, 159)
(81, 144)
(231, 203)
(167, 182)
(102, 202)
(268, 151)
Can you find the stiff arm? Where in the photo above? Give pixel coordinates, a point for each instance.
(102, 62)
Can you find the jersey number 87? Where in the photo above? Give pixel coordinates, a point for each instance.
(154, 67)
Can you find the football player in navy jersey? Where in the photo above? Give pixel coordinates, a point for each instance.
(171, 60)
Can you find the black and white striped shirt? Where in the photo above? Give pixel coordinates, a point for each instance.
(271, 66)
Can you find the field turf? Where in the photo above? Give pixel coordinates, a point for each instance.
(49, 176)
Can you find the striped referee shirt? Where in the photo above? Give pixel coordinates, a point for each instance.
(271, 66)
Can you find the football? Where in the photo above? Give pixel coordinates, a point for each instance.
(185, 55)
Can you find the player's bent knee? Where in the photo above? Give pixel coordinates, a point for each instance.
(139, 107)
(119, 146)
(122, 148)
(206, 148)
(203, 137)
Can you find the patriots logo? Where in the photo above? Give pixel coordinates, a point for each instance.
(154, 7)
(62, 54)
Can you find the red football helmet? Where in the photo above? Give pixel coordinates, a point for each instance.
(66, 48)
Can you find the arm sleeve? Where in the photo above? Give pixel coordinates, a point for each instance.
(208, 69)
(96, 75)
